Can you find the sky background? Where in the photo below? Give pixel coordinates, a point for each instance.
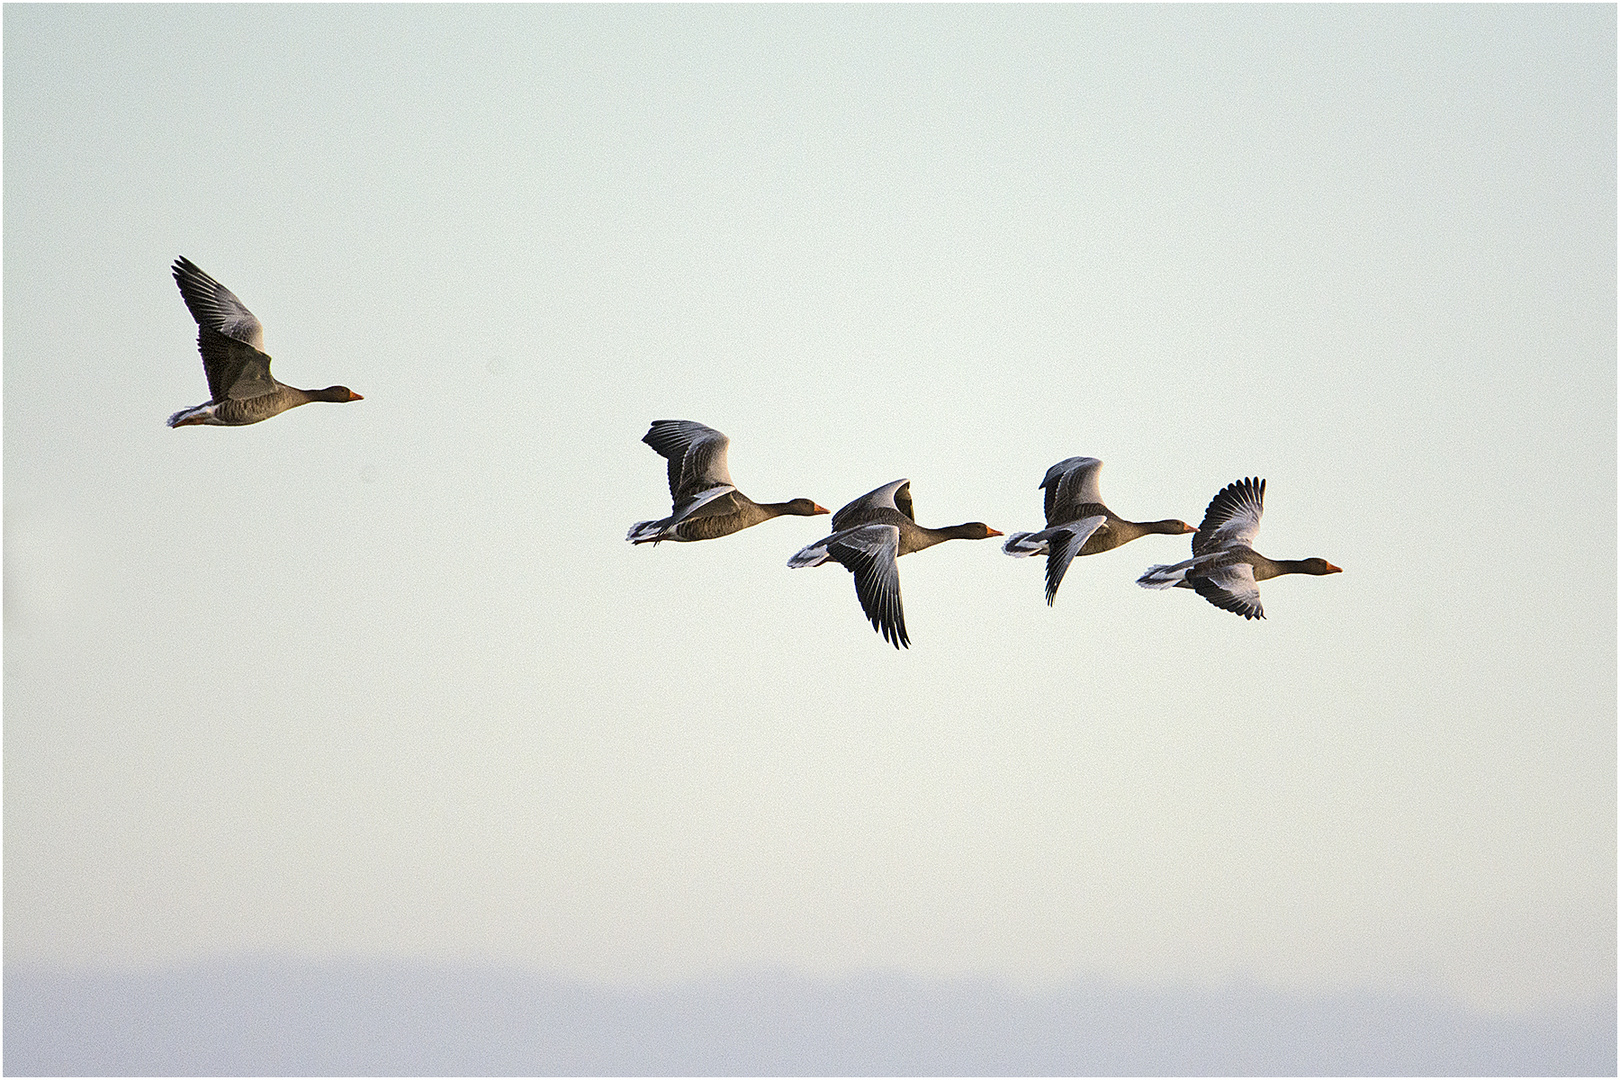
(384, 680)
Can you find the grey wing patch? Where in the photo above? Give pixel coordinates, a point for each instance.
(696, 454)
(705, 464)
(1232, 517)
(895, 495)
(215, 307)
(1231, 587)
(1071, 482)
(234, 368)
(869, 553)
(706, 503)
(1062, 546)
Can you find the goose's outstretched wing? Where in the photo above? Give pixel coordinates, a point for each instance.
(1063, 544)
(229, 336)
(868, 552)
(1230, 586)
(895, 495)
(215, 306)
(1069, 484)
(696, 454)
(1232, 518)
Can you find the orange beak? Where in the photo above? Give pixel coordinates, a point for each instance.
(1335, 569)
(993, 532)
(355, 397)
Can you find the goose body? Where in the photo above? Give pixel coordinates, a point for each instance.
(1225, 569)
(868, 536)
(1078, 523)
(706, 503)
(240, 387)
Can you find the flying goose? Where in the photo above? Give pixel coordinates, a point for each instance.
(706, 503)
(240, 387)
(868, 536)
(1225, 569)
(1077, 522)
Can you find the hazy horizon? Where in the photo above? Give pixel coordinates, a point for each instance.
(347, 1017)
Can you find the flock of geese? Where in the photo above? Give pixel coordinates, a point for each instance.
(868, 534)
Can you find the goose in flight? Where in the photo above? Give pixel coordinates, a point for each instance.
(1225, 569)
(1077, 522)
(868, 536)
(706, 503)
(240, 387)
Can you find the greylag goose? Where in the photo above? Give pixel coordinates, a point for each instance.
(240, 386)
(707, 504)
(1225, 569)
(868, 536)
(1077, 522)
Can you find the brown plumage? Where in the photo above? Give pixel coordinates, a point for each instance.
(1225, 569)
(231, 340)
(1077, 522)
(706, 503)
(868, 536)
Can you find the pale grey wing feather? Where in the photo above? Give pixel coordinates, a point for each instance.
(1232, 517)
(215, 307)
(234, 368)
(869, 553)
(715, 500)
(895, 495)
(1071, 483)
(1062, 546)
(696, 454)
(705, 464)
(1231, 587)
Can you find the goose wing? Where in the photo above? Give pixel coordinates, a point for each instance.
(707, 503)
(1232, 518)
(229, 336)
(234, 368)
(895, 495)
(1070, 483)
(215, 307)
(1063, 544)
(697, 456)
(869, 553)
(1230, 586)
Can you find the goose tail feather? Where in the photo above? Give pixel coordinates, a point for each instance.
(197, 414)
(1025, 544)
(643, 532)
(1163, 576)
(811, 555)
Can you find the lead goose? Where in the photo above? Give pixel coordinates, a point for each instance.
(240, 387)
(706, 503)
(1225, 569)
(868, 536)
(1077, 522)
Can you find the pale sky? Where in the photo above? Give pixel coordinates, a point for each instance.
(385, 680)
